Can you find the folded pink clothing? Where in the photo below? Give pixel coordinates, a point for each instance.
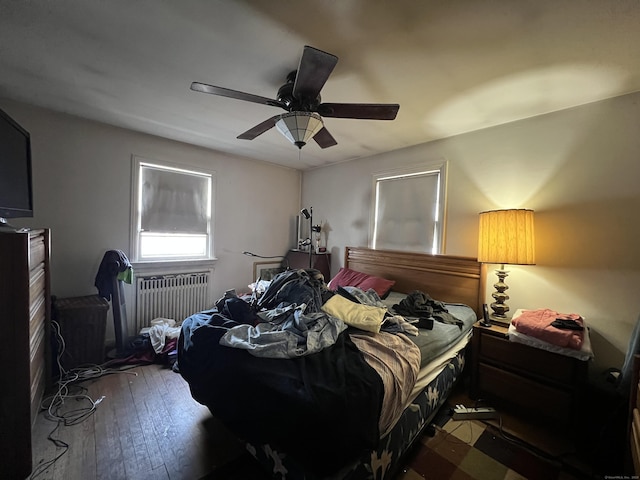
(537, 324)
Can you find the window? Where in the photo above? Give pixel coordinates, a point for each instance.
(408, 209)
(171, 212)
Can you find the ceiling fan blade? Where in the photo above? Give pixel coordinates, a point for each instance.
(324, 138)
(227, 92)
(366, 111)
(313, 70)
(259, 129)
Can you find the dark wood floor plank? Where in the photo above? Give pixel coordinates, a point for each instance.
(109, 454)
(147, 427)
(140, 394)
(131, 438)
(163, 424)
(80, 456)
(87, 448)
(173, 424)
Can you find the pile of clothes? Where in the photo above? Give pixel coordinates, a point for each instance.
(560, 329)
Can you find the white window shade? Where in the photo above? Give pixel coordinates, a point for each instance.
(407, 212)
(174, 201)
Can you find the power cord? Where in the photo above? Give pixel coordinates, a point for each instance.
(68, 389)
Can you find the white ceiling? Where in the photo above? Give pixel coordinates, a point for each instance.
(453, 66)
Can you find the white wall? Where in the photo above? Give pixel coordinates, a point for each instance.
(579, 169)
(82, 191)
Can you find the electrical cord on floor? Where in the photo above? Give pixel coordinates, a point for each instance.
(43, 466)
(68, 389)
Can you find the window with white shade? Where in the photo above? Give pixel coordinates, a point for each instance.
(172, 212)
(408, 209)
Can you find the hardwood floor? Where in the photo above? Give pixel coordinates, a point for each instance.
(147, 426)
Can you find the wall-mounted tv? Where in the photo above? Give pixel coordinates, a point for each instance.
(16, 195)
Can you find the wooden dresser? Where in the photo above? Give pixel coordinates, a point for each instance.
(525, 379)
(25, 315)
(319, 261)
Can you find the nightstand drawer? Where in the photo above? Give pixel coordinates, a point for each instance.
(533, 361)
(514, 390)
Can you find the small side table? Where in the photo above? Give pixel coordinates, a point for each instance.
(319, 261)
(526, 379)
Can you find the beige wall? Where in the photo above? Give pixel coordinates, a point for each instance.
(579, 169)
(82, 185)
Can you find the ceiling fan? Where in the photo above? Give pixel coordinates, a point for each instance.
(300, 97)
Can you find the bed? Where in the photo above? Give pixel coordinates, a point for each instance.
(320, 415)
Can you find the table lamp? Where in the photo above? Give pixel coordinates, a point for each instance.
(505, 237)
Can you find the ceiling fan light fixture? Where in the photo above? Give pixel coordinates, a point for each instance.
(299, 127)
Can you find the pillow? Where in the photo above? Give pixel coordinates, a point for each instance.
(364, 317)
(350, 278)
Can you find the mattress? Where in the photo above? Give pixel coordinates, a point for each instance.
(437, 341)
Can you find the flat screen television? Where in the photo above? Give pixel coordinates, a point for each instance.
(16, 195)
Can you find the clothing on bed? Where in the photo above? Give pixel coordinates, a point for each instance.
(356, 294)
(540, 324)
(289, 333)
(364, 317)
(296, 286)
(421, 305)
(398, 324)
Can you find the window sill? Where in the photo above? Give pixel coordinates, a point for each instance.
(172, 266)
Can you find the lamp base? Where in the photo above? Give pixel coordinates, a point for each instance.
(499, 307)
(503, 322)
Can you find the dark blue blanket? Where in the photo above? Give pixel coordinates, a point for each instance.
(322, 406)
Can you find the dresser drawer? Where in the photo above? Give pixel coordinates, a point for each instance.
(532, 361)
(529, 395)
(37, 279)
(37, 317)
(37, 251)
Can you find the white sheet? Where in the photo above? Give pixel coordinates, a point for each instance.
(435, 366)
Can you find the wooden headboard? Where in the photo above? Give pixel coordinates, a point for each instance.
(443, 277)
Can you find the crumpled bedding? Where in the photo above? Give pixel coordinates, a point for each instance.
(291, 333)
(324, 406)
(331, 403)
(397, 361)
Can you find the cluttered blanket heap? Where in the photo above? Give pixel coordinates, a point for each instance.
(307, 344)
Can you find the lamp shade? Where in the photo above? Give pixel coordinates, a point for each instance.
(299, 127)
(506, 236)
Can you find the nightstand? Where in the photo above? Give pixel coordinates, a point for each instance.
(525, 379)
(319, 261)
